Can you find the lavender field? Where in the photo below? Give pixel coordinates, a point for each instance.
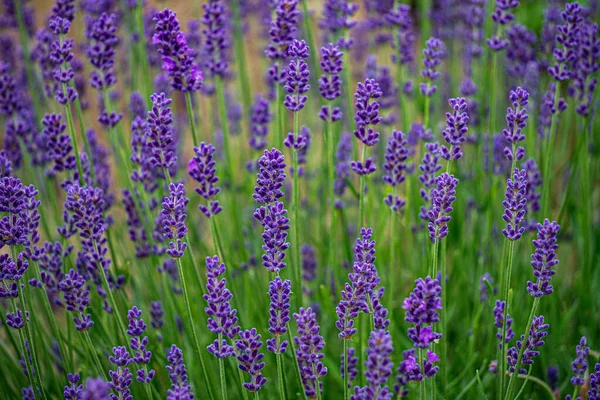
(299, 199)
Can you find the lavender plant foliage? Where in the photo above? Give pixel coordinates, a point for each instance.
(514, 205)
(309, 353)
(543, 259)
(177, 61)
(222, 319)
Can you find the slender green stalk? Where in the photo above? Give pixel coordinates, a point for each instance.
(282, 392)
(392, 265)
(361, 191)
(145, 64)
(345, 369)
(506, 285)
(241, 58)
(422, 381)
(74, 139)
(222, 376)
(329, 137)
(537, 381)
(296, 205)
(512, 381)
(547, 171)
(92, 351)
(86, 142)
(23, 347)
(190, 319)
(224, 125)
(279, 121)
(295, 357)
(190, 113)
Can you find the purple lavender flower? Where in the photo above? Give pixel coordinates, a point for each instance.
(442, 198)
(172, 218)
(74, 390)
(139, 345)
(366, 118)
(401, 21)
(501, 16)
(484, 292)
(337, 20)
(279, 314)
(101, 51)
(8, 91)
(534, 341)
(5, 165)
(177, 60)
(11, 272)
(330, 82)
(121, 377)
(309, 351)
(580, 364)
(61, 55)
(543, 259)
(429, 166)
(378, 366)
(432, 59)
(160, 131)
(588, 62)
(21, 219)
(180, 387)
(406, 372)
(499, 312)
(567, 36)
(309, 266)
(352, 363)
(342, 166)
(456, 129)
(157, 314)
(273, 218)
(282, 32)
(516, 119)
(57, 144)
(548, 108)
(51, 266)
(136, 231)
(594, 389)
(216, 43)
(514, 205)
(534, 181)
(137, 106)
(202, 169)
(396, 154)
(222, 319)
(521, 49)
(270, 177)
(249, 359)
(297, 73)
(421, 311)
(260, 118)
(77, 297)
(95, 389)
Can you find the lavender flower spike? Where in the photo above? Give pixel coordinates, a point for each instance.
(279, 314)
(378, 366)
(432, 59)
(120, 379)
(172, 219)
(543, 259)
(297, 74)
(160, 131)
(456, 129)
(514, 205)
(396, 154)
(202, 169)
(177, 59)
(442, 198)
(249, 359)
(139, 345)
(516, 119)
(366, 117)
(421, 311)
(499, 323)
(534, 341)
(594, 390)
(310, 351)
(216, 43)
(180, 387)
(580, 364)
(330, 82)
(77, 293)
(222, 319)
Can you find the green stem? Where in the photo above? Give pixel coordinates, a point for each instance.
(296, 204)
(422, 381)
(190, 319)
(241, 58)
(282, 393)
(547, 173)
(506, 285)
(222, 372)
(361, 191)
(224, 126)
(538, 381)
(74, 139)
(345, 369)
(190, 112)
(92, 351)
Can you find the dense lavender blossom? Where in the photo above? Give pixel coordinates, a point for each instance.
(521, 49)
(502, 16)
(405, 373)
(137, 106)
(139, 345)
(514, 205)
(309, 266)
(567, 34)
(11, 272)
(172, 218)
(396, 154)
(548, 109)
(378, 367)
(429, 166)
(74, 390)
(19, 205)
(534, 341)
(337, 20)
(121, 378)
(5, 165)
(222, 319)
(180, 387)
(282, 32)
(442, 198)
(177, 60)
(499, 313)
(516, 119)
(51, 266)
(215, 47)
(330, 82)
(77, 292)
(297, 73)
(421, 311)
(160, 131)
(309, 351)
(594, 389)
(260, 118)
(402, 22)
(61, 55)
(101, 51)
(137, 233)
(202, 169)
(279, 314)
(58, 145)
(456, 129)
(432, 58)
(270, 177)
(534, 182)
(366, 118)
(249, 359)
(342, 164)
(544, 259)
(580, 364)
